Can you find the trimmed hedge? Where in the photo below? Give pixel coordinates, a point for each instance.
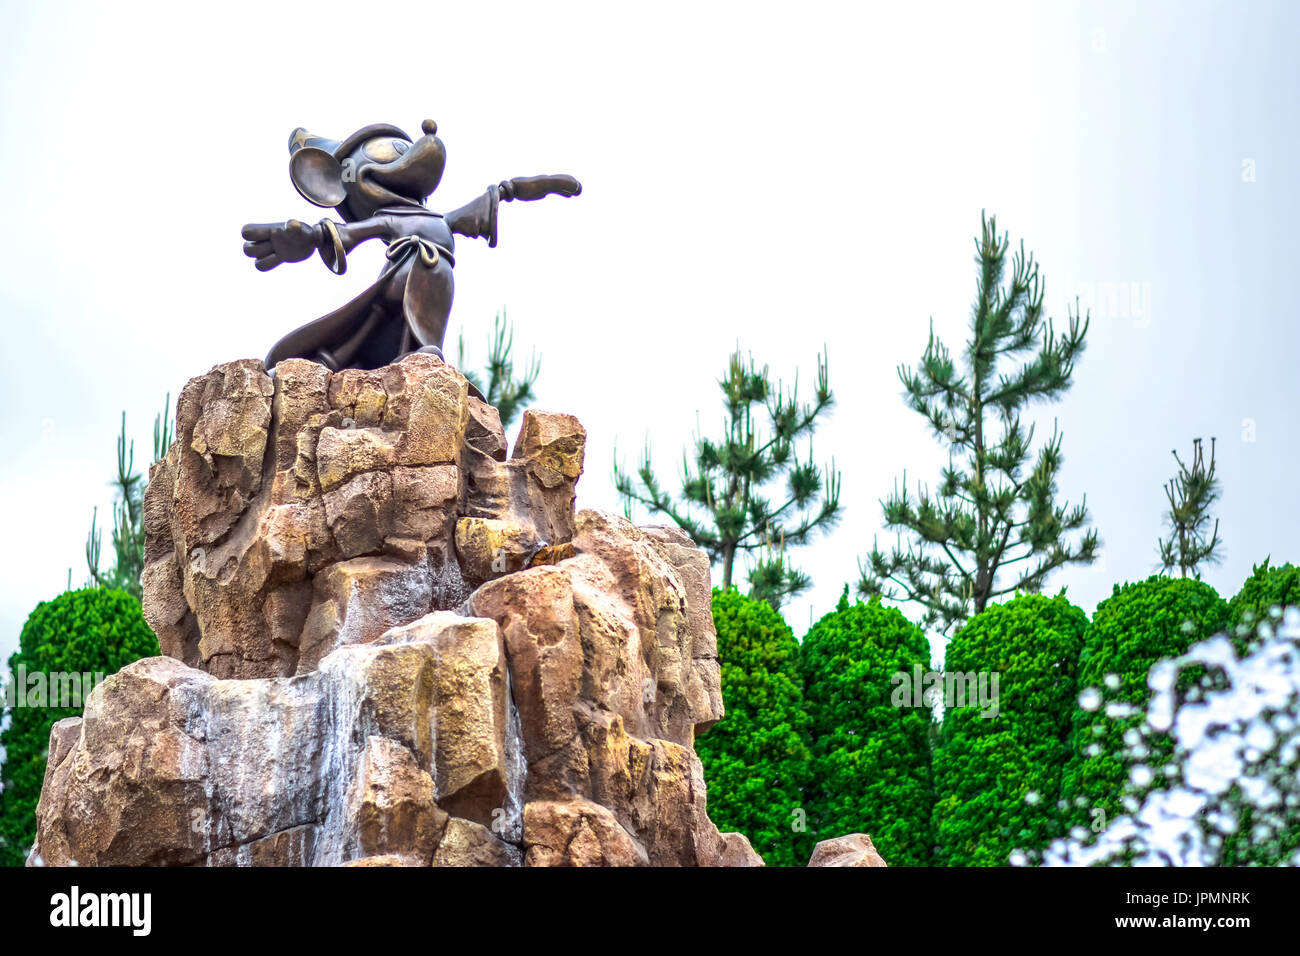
(1260, 842)
(1265, 589)
(1139, 624)
(1240, 734)
(870, 759)
(84, 632)
(756, 758)
(997, 778)
(1270, 835)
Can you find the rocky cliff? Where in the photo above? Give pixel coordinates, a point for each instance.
(390, 643)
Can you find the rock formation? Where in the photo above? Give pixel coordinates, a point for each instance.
(855, 849)
(389, 644)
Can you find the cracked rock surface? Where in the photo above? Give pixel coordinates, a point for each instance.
(390, 641)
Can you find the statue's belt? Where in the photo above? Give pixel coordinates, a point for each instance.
(333, 255)
(429, 252)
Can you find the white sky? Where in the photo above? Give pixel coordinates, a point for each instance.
(780, 175)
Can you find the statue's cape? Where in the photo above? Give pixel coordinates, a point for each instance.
(383, 344)
(330, 331)
(381, 334)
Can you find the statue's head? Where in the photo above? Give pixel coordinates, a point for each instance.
(376, 166)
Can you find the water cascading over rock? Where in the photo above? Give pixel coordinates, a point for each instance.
(388, 643)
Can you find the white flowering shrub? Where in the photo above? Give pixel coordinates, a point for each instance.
(1230, 793)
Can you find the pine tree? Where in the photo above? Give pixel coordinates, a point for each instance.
(1191, 493)
(734, 475)
(497, 382)
(128, 513)
(992, 514)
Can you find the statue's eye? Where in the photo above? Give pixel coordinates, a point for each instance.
(384, 150)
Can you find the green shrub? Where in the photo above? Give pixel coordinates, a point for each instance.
(997, 778)
(1265, 589)
(1267, 834)
(1231, 793)
(1136, 626)
(756, 758)
(88, 632)
(870, 759)
(1260, 840)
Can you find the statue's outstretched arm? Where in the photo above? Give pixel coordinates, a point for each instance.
(528, 188)
(292, 241)
(478, 219)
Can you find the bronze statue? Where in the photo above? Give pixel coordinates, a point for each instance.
(378, 180)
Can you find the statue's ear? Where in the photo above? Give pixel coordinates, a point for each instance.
(317, 175)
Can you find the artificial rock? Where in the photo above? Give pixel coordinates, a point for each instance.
(388, 642)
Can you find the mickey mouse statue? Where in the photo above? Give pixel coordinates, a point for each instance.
(378, 180)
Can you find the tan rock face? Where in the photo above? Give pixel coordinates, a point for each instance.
(472, 762)
(398, 813)
(389, 644)
(357, 601)
(577, 833)
(855, 849)
(472, 844)
(172, 765)
(736, 851)
(301, 512)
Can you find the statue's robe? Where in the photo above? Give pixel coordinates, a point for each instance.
(413, 291)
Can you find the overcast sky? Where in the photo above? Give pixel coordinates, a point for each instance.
(784, 176)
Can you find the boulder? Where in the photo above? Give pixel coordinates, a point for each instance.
(855, 849)
(577, 833)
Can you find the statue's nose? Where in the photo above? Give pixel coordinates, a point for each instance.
(429, 127)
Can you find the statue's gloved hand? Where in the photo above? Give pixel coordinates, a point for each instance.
(529, 188)
(274, 242)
